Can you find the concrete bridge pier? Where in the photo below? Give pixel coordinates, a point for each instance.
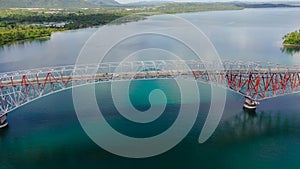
(250, 105)
(3, 120)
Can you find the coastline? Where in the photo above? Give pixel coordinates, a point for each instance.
(34, 39)
(291, 45)
(137, 17)
(43, 38)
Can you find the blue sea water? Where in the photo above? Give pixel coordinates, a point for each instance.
(47, 134)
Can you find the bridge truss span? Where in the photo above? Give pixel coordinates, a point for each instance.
(260, 81)
(256, 81)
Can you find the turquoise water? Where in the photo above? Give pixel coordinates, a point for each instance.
(46, 133)
(51, 136)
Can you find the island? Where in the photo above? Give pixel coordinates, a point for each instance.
(291, 43)
(292, 39)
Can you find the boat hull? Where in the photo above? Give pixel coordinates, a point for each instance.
(250, 104)
(251, 107)
(3, 121)
(5, 124)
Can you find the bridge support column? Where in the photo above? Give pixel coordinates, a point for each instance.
(250, 104)
(3, 120)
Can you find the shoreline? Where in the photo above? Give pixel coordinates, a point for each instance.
(45, 37)
(291, 45)
(27, 40)
(34, 39)
(142, 16)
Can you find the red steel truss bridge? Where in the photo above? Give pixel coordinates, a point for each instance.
(255, 81)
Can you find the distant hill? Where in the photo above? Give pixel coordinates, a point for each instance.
(265, 5)
(55, 3)
(104, 2)
(147, 3)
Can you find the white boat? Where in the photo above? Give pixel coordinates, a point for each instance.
(250, 104)
(3, 121)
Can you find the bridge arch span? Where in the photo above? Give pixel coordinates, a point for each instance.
(255, 81)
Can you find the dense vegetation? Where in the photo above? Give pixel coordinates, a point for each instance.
(22, 33)
(18, 25)
(23, 24)
(292, 39)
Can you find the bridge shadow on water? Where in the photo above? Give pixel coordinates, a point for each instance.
(246, 126)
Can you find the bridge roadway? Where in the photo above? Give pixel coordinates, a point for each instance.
(138, 75)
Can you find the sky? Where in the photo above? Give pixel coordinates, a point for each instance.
(129, 1)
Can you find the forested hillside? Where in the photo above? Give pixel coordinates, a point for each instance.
(55, 3)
